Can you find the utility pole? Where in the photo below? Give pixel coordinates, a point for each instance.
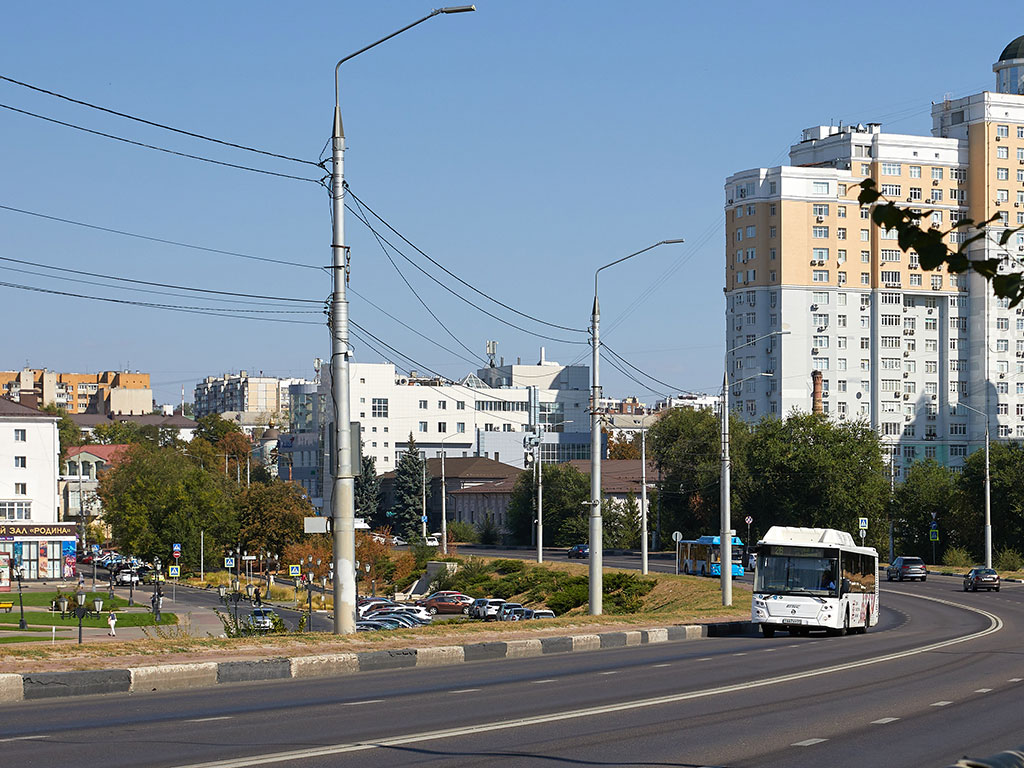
(540, 502)
(643, 500)
(423, 491)
(444, 508)
(725, 536)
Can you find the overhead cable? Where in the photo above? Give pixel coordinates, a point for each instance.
(157, 125)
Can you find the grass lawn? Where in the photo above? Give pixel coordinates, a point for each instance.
(32, 629)
(41, 618)
(22, 639)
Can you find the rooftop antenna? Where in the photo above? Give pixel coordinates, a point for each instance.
(492, 349)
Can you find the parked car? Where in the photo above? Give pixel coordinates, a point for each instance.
(417, 611)
(431, 541)
(398, 541)
(455, 603)
(981, 578)
(539, 613)
(127, 576)
(439, 593)
(511, 612)
(578, 550)
(371, 603)
(262, 618)
(486, 608)
(907, 568)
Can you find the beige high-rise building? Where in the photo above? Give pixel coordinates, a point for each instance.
(117, 392)
(813, 285)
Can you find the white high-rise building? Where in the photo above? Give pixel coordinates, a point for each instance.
(903, 349)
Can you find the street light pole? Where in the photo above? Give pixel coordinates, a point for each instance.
(342, 478)
(643, 499)
(988, 487)
(596, 572)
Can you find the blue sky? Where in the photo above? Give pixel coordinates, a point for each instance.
(521, 146)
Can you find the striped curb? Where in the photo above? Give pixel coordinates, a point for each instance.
(170, 677)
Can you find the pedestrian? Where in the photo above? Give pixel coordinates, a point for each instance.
(112, 621)
(256, 599)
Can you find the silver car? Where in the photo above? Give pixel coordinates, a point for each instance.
(909, 568)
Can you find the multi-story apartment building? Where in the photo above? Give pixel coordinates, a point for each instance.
(927, 358)
(116, 392)
(263, 397)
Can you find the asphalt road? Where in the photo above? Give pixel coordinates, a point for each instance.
(657, 562)
(912, 692)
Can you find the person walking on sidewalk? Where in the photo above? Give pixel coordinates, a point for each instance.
(112, 621)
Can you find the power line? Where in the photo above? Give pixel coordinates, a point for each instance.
(160, 285)
(454, 292)
(159, 149)
(643, 373)
(409, 286)
(170, 307)
(452, 274)
(155, 239)
(157, 125)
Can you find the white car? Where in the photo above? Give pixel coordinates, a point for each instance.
(410, 610)
(431, 541)
(486, 608)
(127, 576)
(397, 541)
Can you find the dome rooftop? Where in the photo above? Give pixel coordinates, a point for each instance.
(1014, 50)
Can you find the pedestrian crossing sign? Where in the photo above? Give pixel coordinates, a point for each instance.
(294, 570)
(174, 571)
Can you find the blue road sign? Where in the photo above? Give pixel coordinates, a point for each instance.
(174, 571)
(933, 535)
(176, 548)
(229, 562)
(423, 519)
(294, 570)
(862, 523)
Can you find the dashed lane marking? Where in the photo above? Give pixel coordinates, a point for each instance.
(984, 690)
(706, 658)
(941, 703)
(539, 682)
(1015, 679)
(662, 665)
(360, 703)
(611, 672)
(884, 721)
(25, 738)
(208, 719)
(465, 690)
(808, 742)
(740, 654)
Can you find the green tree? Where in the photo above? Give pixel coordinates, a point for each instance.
(627, 447)
(68, 432)
(212, 428)
(621, 523)
(271, 516)
(928, 488)
(566, 490)
(488, 531)
(367, 494)
(808, 471)
(408, 496)
(119, 433)
(236, 447)
(1007, 506)
(156, 497)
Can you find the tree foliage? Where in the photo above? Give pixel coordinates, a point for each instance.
(566, 490)
(156, 497)
(69, 433)
(928, 488)
(627, 447)
(212, 428)
(408, 497)
(271, 516)
(367, 494)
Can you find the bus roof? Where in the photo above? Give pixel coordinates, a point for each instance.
(829, 537)
(714, 541)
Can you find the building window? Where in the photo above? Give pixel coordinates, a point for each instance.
(423, 405)
(442, 426)
(937, 173)
(819, 209)
(423, 426)
(820, 254)
(20, 436)
(1003, 174)
(442, 405)
(20, 489)
(891, 169)
(460, 427)
(460, 405)
(379, 408)
(820, 276)
(820, 187)
(915, 171)
(892, 190)
(21, 462)
(15, 510)
(1002, 131)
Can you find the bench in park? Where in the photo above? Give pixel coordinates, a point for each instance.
(6, 607)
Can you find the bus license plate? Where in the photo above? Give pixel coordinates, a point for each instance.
(792, 621)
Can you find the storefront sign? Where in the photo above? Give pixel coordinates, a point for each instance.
(5, 573)
(37, 531)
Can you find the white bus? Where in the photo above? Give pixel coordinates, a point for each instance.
(814, 578)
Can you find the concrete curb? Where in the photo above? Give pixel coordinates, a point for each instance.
(168, 677)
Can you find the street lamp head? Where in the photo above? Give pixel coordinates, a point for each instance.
(670, 242)
(458, 9)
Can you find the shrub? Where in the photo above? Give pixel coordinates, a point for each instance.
(957, 557)
(1009, 560)
(506, 567)
(570, 596)
(464, 532)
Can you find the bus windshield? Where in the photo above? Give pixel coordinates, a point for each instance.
(799, 570)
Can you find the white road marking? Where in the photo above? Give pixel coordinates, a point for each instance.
(1015, 679)
(984, 690)
(995, 625)
(360, 703)
(884, 721)
(662, 665)
(808, 742)
(25, 738)
(706, 658)
(942, 703)
(740, 654)
(465, 690)
(770, 650)
(613, 672)
(538, 682)
(208, 719)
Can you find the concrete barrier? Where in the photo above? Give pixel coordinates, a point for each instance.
(398, 659)
(249, 671)
(173, 677)
(46, 685)
(325, 665)
(688, 632)
(437, 657)
(12, 688)
(556, 644)
(658, 635)
(522, 649)
(484, 651)
(586, 642)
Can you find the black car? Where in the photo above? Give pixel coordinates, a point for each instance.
(578, 550)
(981, 578)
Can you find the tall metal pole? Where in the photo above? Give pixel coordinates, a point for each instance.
(643, 500)
(540, 505)
(725, 536)
(444, 508)
(596, 573)
(423, 491)
(988, 500)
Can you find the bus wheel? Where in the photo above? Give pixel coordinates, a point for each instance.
(767, 631)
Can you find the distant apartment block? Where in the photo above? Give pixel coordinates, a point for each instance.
(259, 399)
(108, 392)
(825, 311)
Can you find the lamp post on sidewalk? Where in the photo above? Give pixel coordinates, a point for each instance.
(21, 601)
(596, 573)
(342, 477)
(725, 503)
(988, 487)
